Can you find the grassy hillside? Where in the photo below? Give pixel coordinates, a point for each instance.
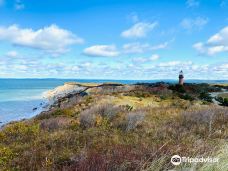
(138, 127)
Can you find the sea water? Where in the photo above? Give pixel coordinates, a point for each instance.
(23, 98)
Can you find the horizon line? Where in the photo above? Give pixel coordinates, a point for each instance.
(159, 79)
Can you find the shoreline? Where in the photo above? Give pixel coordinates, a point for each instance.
(47, 100)
(52, 96)
(35, 107)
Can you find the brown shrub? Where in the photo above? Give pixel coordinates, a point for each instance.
(88, 117)
(134, 119)
(120, 158)
(107, 110)
(55, 123)
(210, 119)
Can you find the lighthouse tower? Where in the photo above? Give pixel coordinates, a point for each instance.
(181, 78)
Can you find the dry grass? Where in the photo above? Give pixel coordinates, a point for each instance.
(55, 123)
(83, 84)
(132, 101)
(222, 154)
(223, 95)
(134, 119)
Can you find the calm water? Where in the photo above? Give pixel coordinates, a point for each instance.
(18, 97)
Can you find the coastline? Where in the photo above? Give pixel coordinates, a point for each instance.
(48, 98)
(61, 92)
(27, 110)
(52, 96)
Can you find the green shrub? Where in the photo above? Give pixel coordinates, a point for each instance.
(19, 131)
(63, 112)
(222, 101)
(6, 155)
(178, 88)
(205, 96)
(186, 97)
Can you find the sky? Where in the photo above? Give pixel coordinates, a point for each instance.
(114, 39)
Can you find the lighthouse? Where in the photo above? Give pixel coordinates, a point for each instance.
(181, 78)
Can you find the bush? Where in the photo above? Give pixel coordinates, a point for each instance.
(178, 88)
(133, 119)
(186, 97)
(20, 132)
(64, 112)
(222, 101)
(205, 96)
(6, 156)
(107, 110)
(55, 113)
(208, 119)
(55, 123)
(87, 119)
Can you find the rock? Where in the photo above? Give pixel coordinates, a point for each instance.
(35, 108)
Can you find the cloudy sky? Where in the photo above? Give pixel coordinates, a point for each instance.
(114, 39)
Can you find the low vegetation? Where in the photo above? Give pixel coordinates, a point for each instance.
(137, 128)
(222, 101)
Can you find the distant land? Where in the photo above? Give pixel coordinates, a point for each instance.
(123, 81)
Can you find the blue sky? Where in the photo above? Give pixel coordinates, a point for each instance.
(115, 39)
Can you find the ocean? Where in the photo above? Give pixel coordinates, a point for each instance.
(18, 97)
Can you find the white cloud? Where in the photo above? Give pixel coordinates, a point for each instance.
(19, 5)
(51, 39)
(142, 47)
(221, 71)
(86, 65)
(175, 63)
(220, 38)
(101, 51)
(12, 54)
(194, 24)
(20, 67)
(215, 44)
(154, 57)
(139, 60)
(199, 47)
(135, 47)
(223, 67)
(192, 3)
(139, 30)
(118, 70)
(160, 46)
